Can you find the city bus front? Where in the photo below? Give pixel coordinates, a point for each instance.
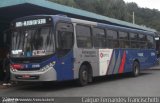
(33, 49)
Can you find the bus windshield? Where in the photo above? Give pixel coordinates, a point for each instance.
(32, 42)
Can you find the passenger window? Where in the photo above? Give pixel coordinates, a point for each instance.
(99, 38)
(65, 36)
(112, 34)
(123, 35)
(142, 42)
(123, 40)
(134, 44)
(133, 36)
(142, 37)
(133, 39)
(112, 39)
(83, 36)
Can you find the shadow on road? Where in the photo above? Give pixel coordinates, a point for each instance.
(56, 86)
(48, 86)
(158, 69)
(116, 77)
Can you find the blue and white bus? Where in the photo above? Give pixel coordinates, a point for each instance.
(59, 48)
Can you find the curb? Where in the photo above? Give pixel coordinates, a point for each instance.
(157, 67)
(4, 87)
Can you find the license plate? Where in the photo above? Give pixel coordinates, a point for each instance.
(25, 76)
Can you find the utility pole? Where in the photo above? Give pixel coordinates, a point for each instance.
(133, 18)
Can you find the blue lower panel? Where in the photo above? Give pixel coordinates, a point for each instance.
(64, 67)
(145, 57)
(146, 60)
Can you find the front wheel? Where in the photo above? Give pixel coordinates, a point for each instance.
(83, 76)
(136, 69)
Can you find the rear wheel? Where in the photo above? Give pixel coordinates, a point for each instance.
(83, 76)
(136, 69)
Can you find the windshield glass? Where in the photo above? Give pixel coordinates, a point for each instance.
(33, 42)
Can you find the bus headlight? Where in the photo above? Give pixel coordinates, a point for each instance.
(48, 66)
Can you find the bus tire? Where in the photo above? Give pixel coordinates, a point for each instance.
(136, 69)
(83, 76)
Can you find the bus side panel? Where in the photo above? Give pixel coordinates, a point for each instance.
(121, 61)
(148, 59)
(153, 57)
(64, 67)
(131, 55)
(129, 60)
(135, 54)
(119, 54)
(86, 55)
(104, 60)
(117, 62)
(112, 63)
(145, 57)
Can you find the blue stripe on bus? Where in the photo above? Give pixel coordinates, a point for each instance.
(118, 61)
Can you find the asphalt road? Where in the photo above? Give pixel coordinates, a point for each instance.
(147, 84)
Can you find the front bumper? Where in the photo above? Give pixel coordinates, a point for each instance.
(47, 75)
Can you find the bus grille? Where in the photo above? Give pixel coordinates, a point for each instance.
(29, 69)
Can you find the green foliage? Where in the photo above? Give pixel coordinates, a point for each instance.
(145, 16)
(117, 9)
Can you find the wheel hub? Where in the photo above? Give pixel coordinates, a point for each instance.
(84, 75)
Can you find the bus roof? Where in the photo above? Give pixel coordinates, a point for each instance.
(70, 11)
(113, 27)
(101, 25)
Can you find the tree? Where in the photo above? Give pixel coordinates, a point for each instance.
(117, 9)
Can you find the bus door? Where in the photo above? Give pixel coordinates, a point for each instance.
(65, 41)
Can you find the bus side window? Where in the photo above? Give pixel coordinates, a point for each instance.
(112, 39)
(133, 39)
(123, 40)
(83, 36)
(150, 41)
(99, 38)
(142, 41)
(65, 37)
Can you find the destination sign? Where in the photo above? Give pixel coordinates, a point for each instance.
(31, 22)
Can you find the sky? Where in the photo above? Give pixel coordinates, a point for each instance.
(152, 4)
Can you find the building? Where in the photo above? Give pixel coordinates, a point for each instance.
(11, 9)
